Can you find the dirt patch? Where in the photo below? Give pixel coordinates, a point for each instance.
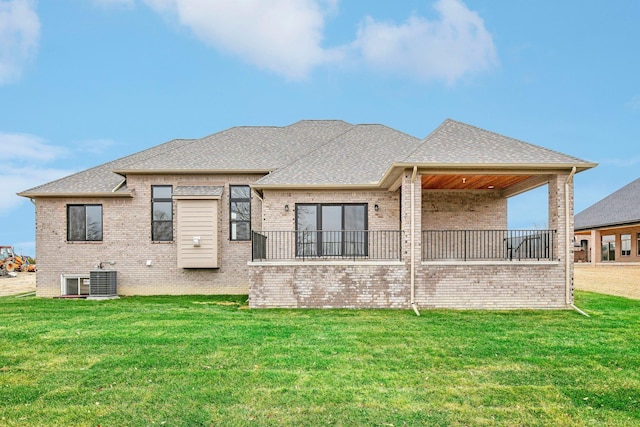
(620, 280)
(22, 283)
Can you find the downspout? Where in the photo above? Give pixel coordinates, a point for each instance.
(120, 185)
(413, 243)
(567, 249)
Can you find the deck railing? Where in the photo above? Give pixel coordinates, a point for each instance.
(486, 245)
(314, 244)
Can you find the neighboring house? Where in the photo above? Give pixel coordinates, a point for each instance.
(316, 214)
(609, 230)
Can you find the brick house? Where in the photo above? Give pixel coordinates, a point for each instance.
(609, 230)
(316, 214)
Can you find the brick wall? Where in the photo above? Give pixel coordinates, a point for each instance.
(461, 286)
(275, 218)
(490, 286)
(127, 242)
(463, 210)
(329, 285)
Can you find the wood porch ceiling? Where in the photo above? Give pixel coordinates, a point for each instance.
(471, 182)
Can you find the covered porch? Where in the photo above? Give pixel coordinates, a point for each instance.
(452, 248)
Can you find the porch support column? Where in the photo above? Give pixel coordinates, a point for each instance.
(561, 219)
(594, 246)
(411, 236)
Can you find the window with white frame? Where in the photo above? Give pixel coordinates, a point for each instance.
(75, 285)
(625, 244)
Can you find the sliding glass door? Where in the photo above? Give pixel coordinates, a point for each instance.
(331, 230)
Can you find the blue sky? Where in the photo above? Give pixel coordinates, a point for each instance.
(83, 82)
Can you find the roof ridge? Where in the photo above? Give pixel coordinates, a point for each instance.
(316, 120)
(512, 139)
(230, 130)
(424, 140)
(316, 148)
(191, 141)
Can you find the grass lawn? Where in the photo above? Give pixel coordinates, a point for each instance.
(199, 360)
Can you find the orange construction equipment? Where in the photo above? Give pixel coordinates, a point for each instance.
(9, 261)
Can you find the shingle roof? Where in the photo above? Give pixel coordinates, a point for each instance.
(100, 179)
(198, 190)
(360, 156)
(310, 153)
(618, 208)
(454, 142)
(256, 148)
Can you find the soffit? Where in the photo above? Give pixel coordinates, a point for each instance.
(471, 182)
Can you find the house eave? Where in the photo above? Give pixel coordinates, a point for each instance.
(499, 166)
(92, 194)
(125, 172)
(625, 224)
(396, 169)
(372, 186)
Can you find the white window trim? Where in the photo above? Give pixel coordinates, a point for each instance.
(63, 281)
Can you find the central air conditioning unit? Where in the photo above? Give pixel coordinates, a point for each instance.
(103, 284)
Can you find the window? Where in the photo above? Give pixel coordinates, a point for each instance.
(239, 212)
(75, 285)
(331, 230)
(625, 244)
(84, 223)
(161, 213)
(609, 248)
(638, 243)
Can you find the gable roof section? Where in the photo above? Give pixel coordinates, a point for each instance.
(359, 157)
(246, 148)
(454, 144)
(619, 208)
(99, 180)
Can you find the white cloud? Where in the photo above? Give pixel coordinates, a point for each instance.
(283, 36)
(456, 44)
(634, 104)
(286, 36)
(30, 147)
(27, 168)
(19, 34)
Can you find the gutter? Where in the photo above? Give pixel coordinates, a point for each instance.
(413, 243)
(567, 246)
(109, 194)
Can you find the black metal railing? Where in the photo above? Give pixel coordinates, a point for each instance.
(316, 244)
(470, 245)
